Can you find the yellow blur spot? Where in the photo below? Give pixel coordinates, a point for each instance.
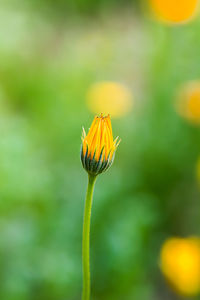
(174, 11)
(180, 263)
(188, 102)
(109, 98)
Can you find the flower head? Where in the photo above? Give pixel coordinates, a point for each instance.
(180, 263)
(98, 147)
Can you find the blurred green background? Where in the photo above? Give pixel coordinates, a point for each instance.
(50, 53)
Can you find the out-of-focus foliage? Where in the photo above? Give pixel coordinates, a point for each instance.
(46, 68)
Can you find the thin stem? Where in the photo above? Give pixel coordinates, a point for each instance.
(86, 238)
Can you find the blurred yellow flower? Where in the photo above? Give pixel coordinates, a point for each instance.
(180, 263)
(98, 146)
(188, 101)
(109, 98)
(174, 11)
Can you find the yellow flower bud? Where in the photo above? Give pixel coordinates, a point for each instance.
(98, 147)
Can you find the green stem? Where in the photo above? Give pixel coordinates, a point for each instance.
(86, 238)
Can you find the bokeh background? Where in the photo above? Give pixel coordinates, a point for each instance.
(52, 54)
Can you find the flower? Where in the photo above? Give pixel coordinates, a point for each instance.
(174, 11)
(109, 97)
(98, 148)
(180, 263)
(188, 104)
